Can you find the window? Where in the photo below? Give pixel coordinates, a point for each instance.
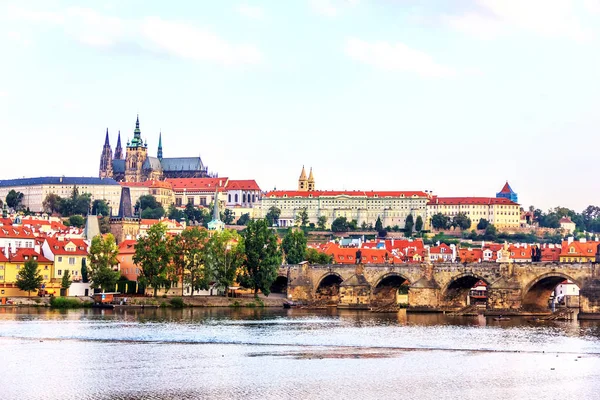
(59, 259)
(59, 273)
(75, 273)
(45, 267)
(18, 267)
(46, 277)
(71, 260)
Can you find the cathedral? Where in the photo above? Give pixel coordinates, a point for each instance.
(137, 166)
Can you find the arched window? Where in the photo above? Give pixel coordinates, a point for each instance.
(236, 198)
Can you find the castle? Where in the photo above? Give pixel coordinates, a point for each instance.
(137, 166)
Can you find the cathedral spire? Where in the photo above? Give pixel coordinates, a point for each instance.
(106, 141)
(159, 154)
(302, 181)
(137, 135)
(118, 149)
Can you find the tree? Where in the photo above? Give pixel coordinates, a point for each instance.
(103, 259)
(100, 207)
(84, 271)
(153, 255)
(13, 199)
(228, 216)
(175, 213)
(272, 216)
(263, 257)
(353, 225)
(225, 255)
(482, 224)
(440, 221)
(29, 277)
(104, 223)
(65, 282)
(77, 221)
(313, 256)
(302, 217)
(379, 224)
(490, 233)
(149, 207)
(321, 221)
(81, 204)
(340, 224)
(461, 221)
(243, 219)
(409, 223)
(51, 203)
(294, 246)
(419, 224)
(188, 252)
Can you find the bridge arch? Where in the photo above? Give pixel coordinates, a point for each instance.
(280, 284)
(391, 288)
(537, 293)
(456, 292)
(328, 288)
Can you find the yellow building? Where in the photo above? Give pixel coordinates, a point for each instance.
(161, 190)
(66, 255)
(12, 263)
(500, 212)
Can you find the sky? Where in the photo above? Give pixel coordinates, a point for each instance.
(456, 97)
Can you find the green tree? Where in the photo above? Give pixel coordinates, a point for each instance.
(263, 257)
(228, 217)
(77, 221)
(51, 203)
(321, 221)
(81, 204)
(294, 246)
(340, 224)
(409, 223)
(188, 252)
(225, 255)
(461, 221)
(103, 259)
(29, 277)
(302, 217)
(153, 255)
(100, 207)
(243, 219)
(440, 221)
(84, 271)
(353, 225)
(378, 224)
(419, 224)
(272, 216)
(175, 213)
(482, 224)
(149, 207)
(490, 233)
(104, 224)
(65, 282)
(313, 256)
(14, 199)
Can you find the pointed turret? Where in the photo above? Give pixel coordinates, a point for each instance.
(302, 181)
(159, 153)
(137, 135)
(311, 181)
(106, 141)
(508, 193)
(106, 170)
(216, 224)
(118, 149)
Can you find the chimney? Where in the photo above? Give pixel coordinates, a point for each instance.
(36, 248)
(582, 240)
(570, 240)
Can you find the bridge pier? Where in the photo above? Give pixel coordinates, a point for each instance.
(589, 300)
(424, 295)
(504, 294)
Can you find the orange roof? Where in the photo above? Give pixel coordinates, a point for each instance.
(24, 254)
(470, 255)
(349, 193)
(208, 184)
(249, 184)
(438, 249)
(565, 220)
(16, 232)
(127, 247)
(520, 253)
(506, 188)
(154, 184)
(580, 249)
(5, 221)
(470, 200)
(57, 247)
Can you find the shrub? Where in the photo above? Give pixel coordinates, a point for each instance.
(163, 304)
(235, 304)
(177, 302)
(65, 302)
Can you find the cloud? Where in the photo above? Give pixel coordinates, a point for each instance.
(174, 38)
(251, 12)
(395, 57)
(492, 18)
(330, 8)
(19, 38)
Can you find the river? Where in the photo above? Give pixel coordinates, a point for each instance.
(220, 353)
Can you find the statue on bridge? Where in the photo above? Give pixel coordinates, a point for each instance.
(358, 256)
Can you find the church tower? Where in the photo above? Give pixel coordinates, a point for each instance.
(311, 181)
(118, 149)
(302, 181)
(159, 154)
(137, 152)
(106, 170)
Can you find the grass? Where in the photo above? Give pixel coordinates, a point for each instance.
(177, 302)
(66, 302)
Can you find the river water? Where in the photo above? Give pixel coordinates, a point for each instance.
(219, 353)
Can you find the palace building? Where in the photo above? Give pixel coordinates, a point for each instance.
(138, 166)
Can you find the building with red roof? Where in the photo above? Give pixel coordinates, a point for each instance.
(161, 190)
(16, 237)
(13, 260)
(578, 251)
(501, 212)
(66, 255)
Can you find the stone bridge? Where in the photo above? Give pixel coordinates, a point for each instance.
(440, 286)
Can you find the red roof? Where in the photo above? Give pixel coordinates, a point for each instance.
(565, 220)
(161, 184)
(506, 188)
(57, 247)
(438, 249)
(470, 200)
(5, 221)
(16, 232)
(24, 254)
(349, 193)
(470, 255)
(581, 249)
(127, 247)
(207, 184)
(249, 184)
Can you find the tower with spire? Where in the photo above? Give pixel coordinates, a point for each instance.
(137, 152)
(302, 181)
(159, 154)
(216, 224)
(311, 181)
(118, 149)
(106, 170)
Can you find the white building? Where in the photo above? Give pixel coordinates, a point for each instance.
(35, 190)
(16, 237)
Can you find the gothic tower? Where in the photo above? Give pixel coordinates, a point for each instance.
(159, 154)
(118, 149)
(137, 151)
(302, 181)
(106, 170)
(311, 181)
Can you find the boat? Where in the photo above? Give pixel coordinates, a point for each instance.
(501, 318)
